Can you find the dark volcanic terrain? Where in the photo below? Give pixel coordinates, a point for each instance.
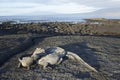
(103, 53)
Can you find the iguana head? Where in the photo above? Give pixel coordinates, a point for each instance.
(38, 51)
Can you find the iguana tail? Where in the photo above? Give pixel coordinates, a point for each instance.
(74, 56)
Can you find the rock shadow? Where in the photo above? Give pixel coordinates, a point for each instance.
(24, 45)
(85, 52)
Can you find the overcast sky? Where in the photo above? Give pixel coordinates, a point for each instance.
(45, 7)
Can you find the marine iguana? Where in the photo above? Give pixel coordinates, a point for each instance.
(56, 55)
(25, 62)
(51, 59)
(38, 53)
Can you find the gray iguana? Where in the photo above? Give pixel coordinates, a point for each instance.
(25, 62)
(51, 59)
(55, 56)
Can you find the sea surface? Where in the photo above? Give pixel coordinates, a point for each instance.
(28, 19)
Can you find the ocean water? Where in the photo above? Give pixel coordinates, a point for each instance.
(28, 19)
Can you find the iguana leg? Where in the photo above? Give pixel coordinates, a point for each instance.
(60, 60)
(19, 64)
(45, 65)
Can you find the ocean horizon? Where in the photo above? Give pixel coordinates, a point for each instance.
(41, 18)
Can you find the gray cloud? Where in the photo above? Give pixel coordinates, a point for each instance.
(94, 3)
(53, 5)
(97, 3)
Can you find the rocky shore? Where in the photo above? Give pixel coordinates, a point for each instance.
(100, 52)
